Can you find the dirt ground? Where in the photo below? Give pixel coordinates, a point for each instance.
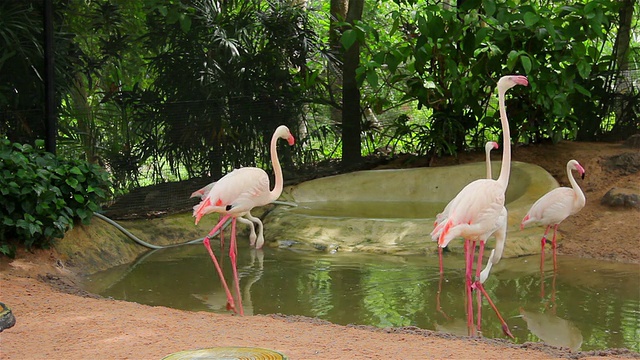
(57, 320)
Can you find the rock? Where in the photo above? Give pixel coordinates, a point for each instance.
(629, 162)
(633, 141)
(7, 319)
(622, 197)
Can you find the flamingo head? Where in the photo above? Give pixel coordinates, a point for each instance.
(490, 145)
(573, 164)
(283, 133)
(509, 81)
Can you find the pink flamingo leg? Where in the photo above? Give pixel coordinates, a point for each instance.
(553, 246)
(479, 298)
(542, 284)
(468, 281)
(505, 327)
(440, 259)
(233, 252)
(207, 245)
(543, 242)
(221, 239)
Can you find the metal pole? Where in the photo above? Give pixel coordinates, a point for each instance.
(49, 85)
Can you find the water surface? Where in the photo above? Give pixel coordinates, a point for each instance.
(586, 305)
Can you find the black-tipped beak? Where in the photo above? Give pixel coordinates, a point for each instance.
(583, 176)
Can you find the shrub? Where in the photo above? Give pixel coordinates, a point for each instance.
(42, 195)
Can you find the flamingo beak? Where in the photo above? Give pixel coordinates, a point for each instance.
(521, 80)
(291, 140)
(583, 176)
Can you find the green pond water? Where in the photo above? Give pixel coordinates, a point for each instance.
(586, 305)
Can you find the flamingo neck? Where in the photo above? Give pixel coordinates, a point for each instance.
(488, 162)
(579, 195)
(505, 168)
(279, 182)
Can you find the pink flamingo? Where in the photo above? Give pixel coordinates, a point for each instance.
(234, 195)
(488, 146)
(555, 206)
(476, 212)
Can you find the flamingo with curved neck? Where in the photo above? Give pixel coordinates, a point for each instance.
(555, 206)
(233, 196)
(476, 212)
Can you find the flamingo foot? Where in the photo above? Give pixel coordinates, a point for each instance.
(506, 331)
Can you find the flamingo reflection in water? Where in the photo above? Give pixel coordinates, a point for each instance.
(250, 274)
(552, 329)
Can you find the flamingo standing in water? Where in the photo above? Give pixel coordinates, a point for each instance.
(488, 146)
(478, 210)
(234, 195)
(555, 206)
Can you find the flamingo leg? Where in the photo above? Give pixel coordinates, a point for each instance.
(553, 292)
(505, 327)
(542, 284)
(233, 253)
(440, 260)
(207, 245)
(468, 284)
(553, 246)
(221, 239)
(542, 244)
(479, 298)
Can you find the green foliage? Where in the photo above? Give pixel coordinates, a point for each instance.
(224, 84)
(449, 59)
(43, 194)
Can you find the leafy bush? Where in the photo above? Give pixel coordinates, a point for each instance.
(43, 194)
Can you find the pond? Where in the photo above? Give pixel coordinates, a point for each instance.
(586, 305)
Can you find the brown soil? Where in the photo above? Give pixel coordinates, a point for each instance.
(57, 320)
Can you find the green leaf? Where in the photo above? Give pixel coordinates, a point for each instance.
(372, 78)
(348, 38)
(584, 68)
(526, 63)
(512, 57)
(75, 170)
(530, 19)
(489, 7)
(185, 23)
(79, 198)
(590, 6)
(582, 90)
(73, 182)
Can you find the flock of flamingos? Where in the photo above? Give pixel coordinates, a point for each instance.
(475, 214)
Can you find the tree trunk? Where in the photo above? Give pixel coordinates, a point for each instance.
(334, 68)
(351, 114)
(625, 123)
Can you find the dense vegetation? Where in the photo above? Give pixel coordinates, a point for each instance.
(42, 195)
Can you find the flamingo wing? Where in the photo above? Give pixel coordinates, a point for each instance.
(202, 193)
(474, 213)
(552, 208)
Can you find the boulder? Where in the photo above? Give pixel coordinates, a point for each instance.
(622, 197)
